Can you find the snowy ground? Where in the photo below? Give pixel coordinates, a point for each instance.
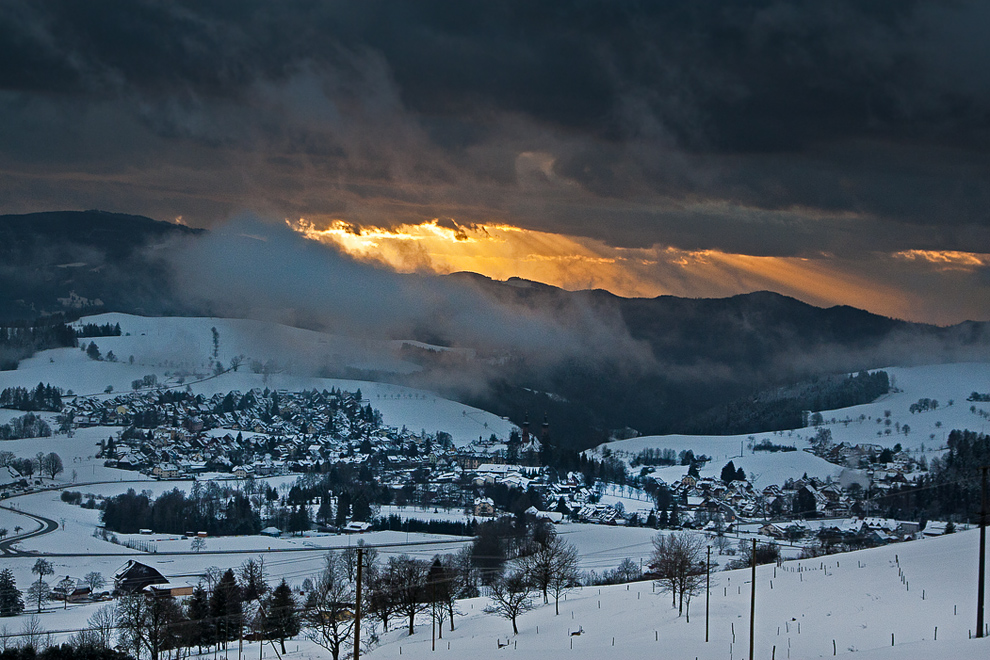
(927, 430)
(858, 600)
(176, 344)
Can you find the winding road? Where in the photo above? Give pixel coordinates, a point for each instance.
(7, 545)
(47, 524)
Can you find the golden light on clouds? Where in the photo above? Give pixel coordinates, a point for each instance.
(948, 259)
(502, 251)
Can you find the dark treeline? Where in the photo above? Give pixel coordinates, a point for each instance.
(396, 524)
(342, 494)
(653, 456)
(951, 489)
(214, 511)
(766, 445)
(783, 410)
(19, 340)
(43, 397)
(97, 330)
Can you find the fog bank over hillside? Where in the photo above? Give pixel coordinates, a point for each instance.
(254, 269)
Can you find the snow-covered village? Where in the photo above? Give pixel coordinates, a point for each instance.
(132, 496)
(399, 330)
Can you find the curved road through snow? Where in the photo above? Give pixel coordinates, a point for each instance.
(47, 526)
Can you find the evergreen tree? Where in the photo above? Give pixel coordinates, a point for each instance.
(11, 599)
(200, 629)
(226, 609)
(280, 617)
(343, 510)
(324, 515)
(361, 510)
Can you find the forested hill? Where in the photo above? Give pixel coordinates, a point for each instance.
(79, 261)
(730, 365)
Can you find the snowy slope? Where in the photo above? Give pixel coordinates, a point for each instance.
(856, 599)
(167, 346)
(855, 425)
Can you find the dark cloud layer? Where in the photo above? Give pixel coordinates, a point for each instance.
(762, 127)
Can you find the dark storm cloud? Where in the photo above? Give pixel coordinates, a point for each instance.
(821, 126)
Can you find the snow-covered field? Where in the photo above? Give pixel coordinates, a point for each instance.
(858, 600)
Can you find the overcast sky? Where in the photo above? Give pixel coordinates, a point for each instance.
(846, 141)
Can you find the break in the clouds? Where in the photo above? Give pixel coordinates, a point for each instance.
(797, 130)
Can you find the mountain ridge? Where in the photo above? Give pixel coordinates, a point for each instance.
(683, 357)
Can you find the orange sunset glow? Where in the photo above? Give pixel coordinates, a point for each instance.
(502, 251)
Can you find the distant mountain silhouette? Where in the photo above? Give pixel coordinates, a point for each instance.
(712, 361)
(716, 358)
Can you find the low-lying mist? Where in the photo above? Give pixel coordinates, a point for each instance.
(255, 269)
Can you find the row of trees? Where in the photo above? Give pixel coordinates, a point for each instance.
(220, 609)
(98, 330)
(42, 397)
(49, 464)
(228, 604)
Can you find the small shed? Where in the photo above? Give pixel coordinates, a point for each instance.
(173, 590)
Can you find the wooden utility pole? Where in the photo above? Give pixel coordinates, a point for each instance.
(981, 588)
(357, 606)
(708, 587)
(752, 605)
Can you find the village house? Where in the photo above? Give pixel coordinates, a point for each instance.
(135, 576)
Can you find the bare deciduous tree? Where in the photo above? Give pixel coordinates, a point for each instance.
(95, 580)
(510, 597)
(409, 584)
(565, 574)
(678, 562)
(102, 624)
(149, 624)
(33, 633)
(329, 617)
